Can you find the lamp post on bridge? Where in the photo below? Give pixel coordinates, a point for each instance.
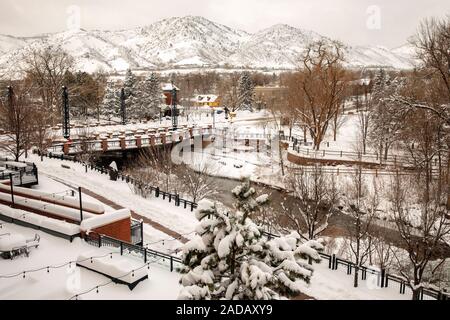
(123, 106)
(66, 113)
(174, 112)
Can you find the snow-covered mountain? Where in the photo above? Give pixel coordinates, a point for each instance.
(191, 42)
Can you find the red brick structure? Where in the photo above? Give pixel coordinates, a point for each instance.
(120, 230)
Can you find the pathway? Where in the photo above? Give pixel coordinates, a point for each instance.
(115, 206)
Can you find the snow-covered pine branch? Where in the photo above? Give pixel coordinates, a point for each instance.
(230, 259)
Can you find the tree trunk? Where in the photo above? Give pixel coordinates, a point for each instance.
(355, 277)
(448, 180)
(416, 294)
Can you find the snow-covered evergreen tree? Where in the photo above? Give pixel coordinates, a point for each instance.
(387, 116)
(132, 95)
(151, 97)
(246, 90)
(231, 259)
(110, 106)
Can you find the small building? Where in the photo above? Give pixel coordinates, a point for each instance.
(168, 91)
(207, 100)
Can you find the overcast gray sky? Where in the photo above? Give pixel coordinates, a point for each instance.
(384, 22)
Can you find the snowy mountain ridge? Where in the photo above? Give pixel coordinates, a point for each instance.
(191, 42)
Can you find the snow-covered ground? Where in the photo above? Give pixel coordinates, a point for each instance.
(68, 281)
(64, 283)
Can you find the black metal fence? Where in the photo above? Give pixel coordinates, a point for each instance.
(384, 279)
(21, 176)
(138, 251)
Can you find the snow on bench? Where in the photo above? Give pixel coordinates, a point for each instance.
(66, 200)
(9, 242)
(15, 164)
(95, 222)
(62, 227)
(13, 245)
(120, 269)
(45, 207)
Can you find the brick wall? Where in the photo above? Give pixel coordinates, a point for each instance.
(120, 230)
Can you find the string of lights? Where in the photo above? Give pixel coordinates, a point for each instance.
(170, 239)
(69, 263)
(111, 281)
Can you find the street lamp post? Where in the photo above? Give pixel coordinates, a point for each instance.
(123, 107)
(66, 114)
(174, 109)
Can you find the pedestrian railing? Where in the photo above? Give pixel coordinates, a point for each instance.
(384, 279)
(146, 254)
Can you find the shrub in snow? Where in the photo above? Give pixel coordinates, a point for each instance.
(230, 258)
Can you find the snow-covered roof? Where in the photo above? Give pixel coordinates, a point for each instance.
(104, 219)
(206, 98)
(169, 87)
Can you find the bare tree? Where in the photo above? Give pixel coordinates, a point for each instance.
(15, 119)
(315, 199)
(42, 133)
(319, 88)
(365, 115)
(423, 230)
(155, 167)
(46, 68)
(197, 182)
(276, 108)
(433, 50)
(361, 207)
(382, 253)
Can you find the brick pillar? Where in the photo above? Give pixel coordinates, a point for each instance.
(104, 144)
(152, 140)
(122, 142)
(66, 147)
(138, 141)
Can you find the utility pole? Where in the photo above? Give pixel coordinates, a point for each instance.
(10, 96)
(81, 205)
(226, 112)
(123, 107)
(174, 108)
(12, 188)
(66, 115)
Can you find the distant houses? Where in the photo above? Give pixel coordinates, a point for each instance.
(207, 100)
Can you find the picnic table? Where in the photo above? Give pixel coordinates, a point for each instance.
(14, 245)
